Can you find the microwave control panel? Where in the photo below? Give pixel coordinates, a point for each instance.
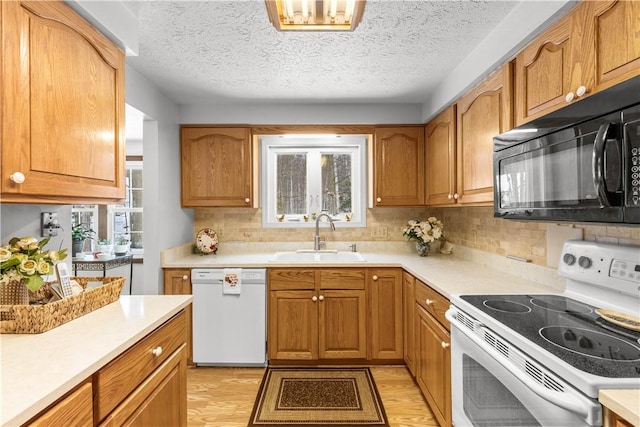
(632, 133)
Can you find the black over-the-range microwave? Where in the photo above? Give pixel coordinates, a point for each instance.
(579, 164)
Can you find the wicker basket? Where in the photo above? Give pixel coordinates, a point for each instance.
(35, 319)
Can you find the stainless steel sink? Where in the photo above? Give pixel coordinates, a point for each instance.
(318, 256)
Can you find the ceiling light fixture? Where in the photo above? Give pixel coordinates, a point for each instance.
(315, 15)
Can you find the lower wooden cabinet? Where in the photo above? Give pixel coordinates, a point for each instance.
(177, 281)
(317, 314)
(74, 409)
(385, 322)
(408, 322)
(146, 385)
(611, 419)
(433, 355)
(159, 401)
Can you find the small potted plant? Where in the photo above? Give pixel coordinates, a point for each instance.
(104, 246)
(79, 233)
(121, 246)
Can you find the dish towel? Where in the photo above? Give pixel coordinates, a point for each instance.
(232, 283)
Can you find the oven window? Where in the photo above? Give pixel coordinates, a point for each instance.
(487, 402)
(554, 175)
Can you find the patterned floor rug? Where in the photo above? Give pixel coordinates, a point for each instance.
(318, 397)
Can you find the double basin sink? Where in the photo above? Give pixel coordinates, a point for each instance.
(306, 256)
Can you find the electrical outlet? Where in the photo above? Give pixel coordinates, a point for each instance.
(379, 232)
(49, 224)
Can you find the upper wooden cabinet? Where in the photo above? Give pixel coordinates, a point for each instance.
(398, 166)
(542, 72)
(616, 37)
(217, 167)
(441, 158)
(593, 47)
(62, 103)
(482, 113)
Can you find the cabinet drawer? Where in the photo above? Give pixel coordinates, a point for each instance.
(342, 278)
(120, 377)
(284, 279)
(433, 302)
(75, 409)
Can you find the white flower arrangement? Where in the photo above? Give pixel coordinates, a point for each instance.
(25, 259)
(424, 232)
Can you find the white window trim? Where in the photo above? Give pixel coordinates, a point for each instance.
(345, 143)
(111, 209)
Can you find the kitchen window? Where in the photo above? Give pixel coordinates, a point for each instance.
(307, 174)
(114, 221)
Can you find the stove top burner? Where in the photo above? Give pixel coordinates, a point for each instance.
(506, 306)
(560, 304)
(566, 328)
(591, 343)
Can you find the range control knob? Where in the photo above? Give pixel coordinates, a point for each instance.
(569, 335)
(569, 259)
(584, 342)
(584, 262)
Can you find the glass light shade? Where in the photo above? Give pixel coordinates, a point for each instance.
(315, 15)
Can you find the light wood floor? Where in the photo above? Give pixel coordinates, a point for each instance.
(223, 397)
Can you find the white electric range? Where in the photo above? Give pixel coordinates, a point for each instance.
(540, 360)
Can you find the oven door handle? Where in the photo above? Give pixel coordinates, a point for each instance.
(563, 400)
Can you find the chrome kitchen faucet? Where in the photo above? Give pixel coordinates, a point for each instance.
(317, 242)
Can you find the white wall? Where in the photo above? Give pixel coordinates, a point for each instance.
(166, 224)
(520, 26)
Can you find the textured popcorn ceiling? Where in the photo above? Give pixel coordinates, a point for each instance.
(228, 51)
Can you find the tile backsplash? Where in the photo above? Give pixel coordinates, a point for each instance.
(473, 227)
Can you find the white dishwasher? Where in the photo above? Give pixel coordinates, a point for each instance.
(229, 319)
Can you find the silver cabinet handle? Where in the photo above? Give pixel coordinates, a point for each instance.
(581, 91)
(17, 177)
(569, 97)
(314, 298)
(157, 351)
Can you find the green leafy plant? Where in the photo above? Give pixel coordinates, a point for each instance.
(104, 241)
(80, 233)
(122, 240)
(25, 259)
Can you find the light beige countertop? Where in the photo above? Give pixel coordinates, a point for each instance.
(37, 369)
(465, 271)
(625, 403)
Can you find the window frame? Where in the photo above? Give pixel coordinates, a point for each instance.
(270, 145)
(113, 209)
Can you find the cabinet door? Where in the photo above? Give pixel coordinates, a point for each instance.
(63, 107)
(177, 281)
(75, 409)
(408, 310)
(542, 73)
(161, 399)
(342, 324)
(616, 27)
(441, 158)
(434, 365)
(482, 113)
(216, 167)
(293, 325)
(385, 297)
(398, 166)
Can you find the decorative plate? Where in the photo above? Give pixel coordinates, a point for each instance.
(207, 241)
(620, 319)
